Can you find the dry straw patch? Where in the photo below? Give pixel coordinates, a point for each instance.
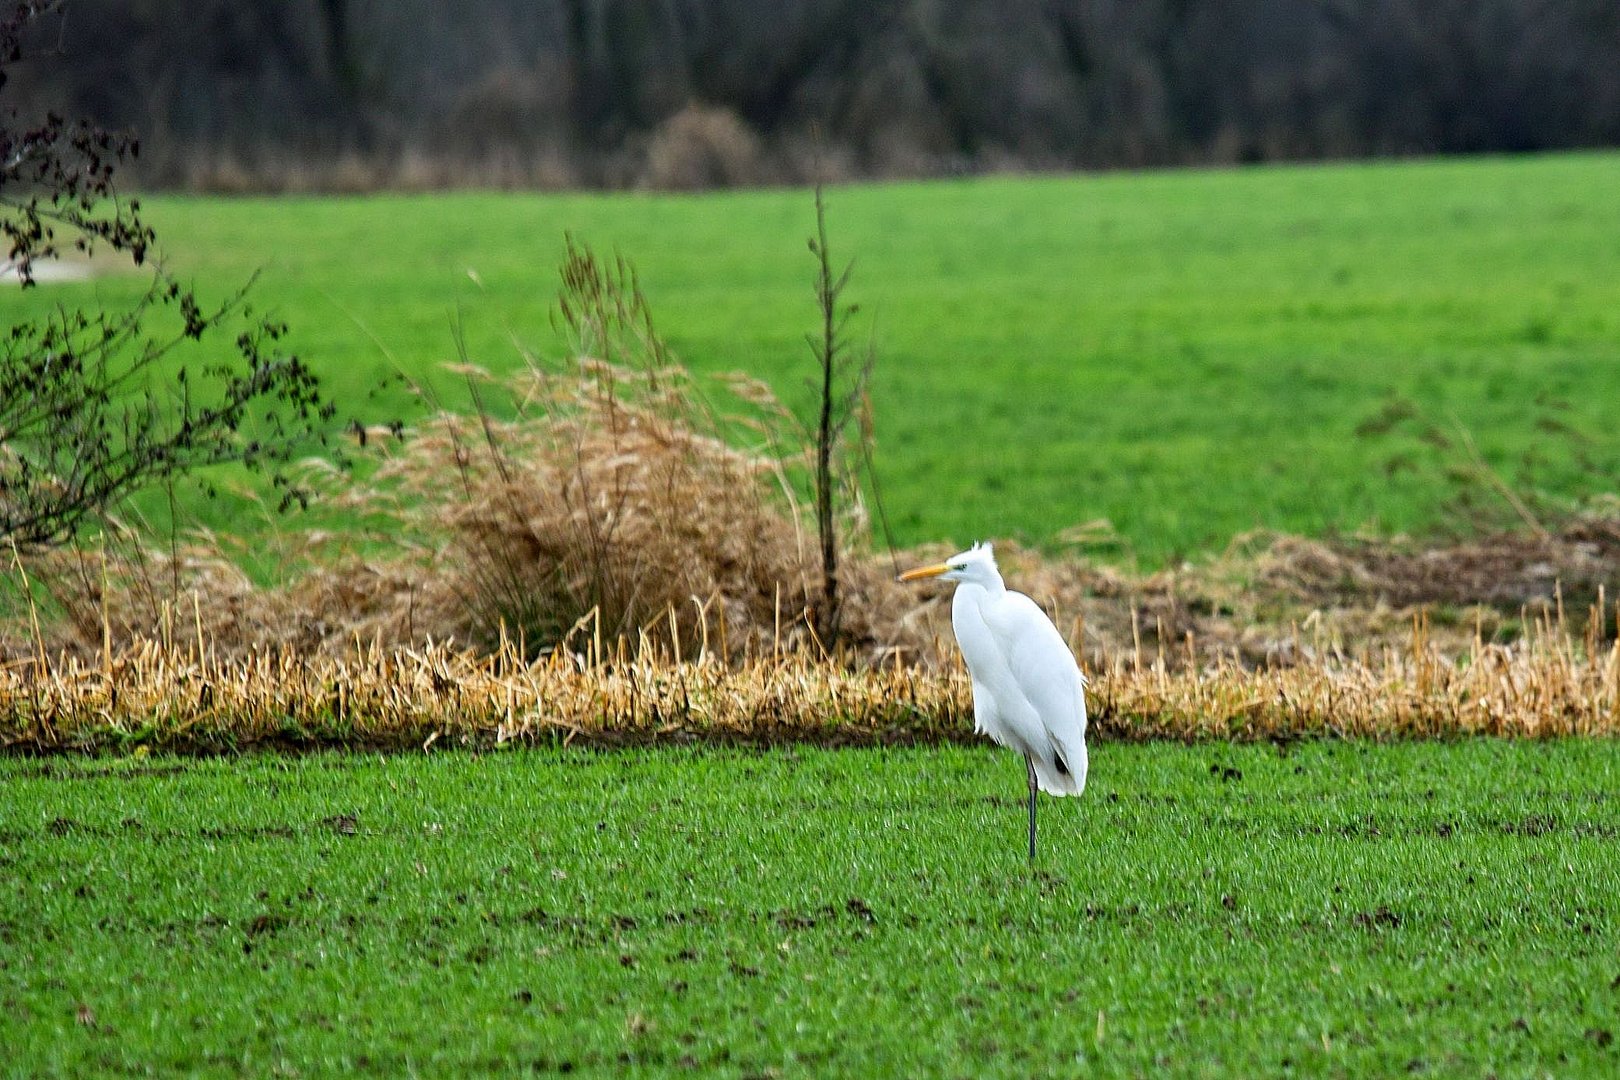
(189, 698)
(686, 635)
(1336, 671)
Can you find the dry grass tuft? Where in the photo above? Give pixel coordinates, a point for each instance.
(1549, 684)
(1184, 654)
(189, 699)
(616, 506)
(616, 491)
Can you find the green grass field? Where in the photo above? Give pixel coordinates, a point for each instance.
(1188, 354)
(1333, 908)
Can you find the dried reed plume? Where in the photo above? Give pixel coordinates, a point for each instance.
(616, 503)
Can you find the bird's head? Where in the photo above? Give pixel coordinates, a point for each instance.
(977, 564)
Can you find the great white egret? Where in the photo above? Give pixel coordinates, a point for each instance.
(1028, 693)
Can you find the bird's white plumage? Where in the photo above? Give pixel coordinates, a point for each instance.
(1028, 693)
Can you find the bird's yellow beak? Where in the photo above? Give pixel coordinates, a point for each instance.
(924, 572)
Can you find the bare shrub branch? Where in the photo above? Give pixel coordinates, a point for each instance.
(95, 404)
(841, 384)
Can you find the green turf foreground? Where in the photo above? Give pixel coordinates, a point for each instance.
(1331, 908)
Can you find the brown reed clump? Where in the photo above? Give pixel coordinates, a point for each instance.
(613, 488)
(611, 502)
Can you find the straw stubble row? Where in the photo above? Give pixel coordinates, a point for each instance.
(187, 699)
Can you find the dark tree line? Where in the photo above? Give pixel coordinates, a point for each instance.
(716, 91)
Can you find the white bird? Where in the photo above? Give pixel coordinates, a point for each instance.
(1028, 692)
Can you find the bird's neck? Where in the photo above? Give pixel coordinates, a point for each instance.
(993, 586)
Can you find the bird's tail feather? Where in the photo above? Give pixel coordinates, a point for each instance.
(1070, 779)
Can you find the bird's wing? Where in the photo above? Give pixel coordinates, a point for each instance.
(1041, 668)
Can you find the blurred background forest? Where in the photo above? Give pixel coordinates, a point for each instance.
(354, 94)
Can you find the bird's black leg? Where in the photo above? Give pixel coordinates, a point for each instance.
(1029, 763)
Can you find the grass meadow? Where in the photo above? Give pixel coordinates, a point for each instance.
(1316, 908)
(1188, 355)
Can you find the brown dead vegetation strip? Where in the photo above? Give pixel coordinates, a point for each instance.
(189, 701)
(609, 515)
